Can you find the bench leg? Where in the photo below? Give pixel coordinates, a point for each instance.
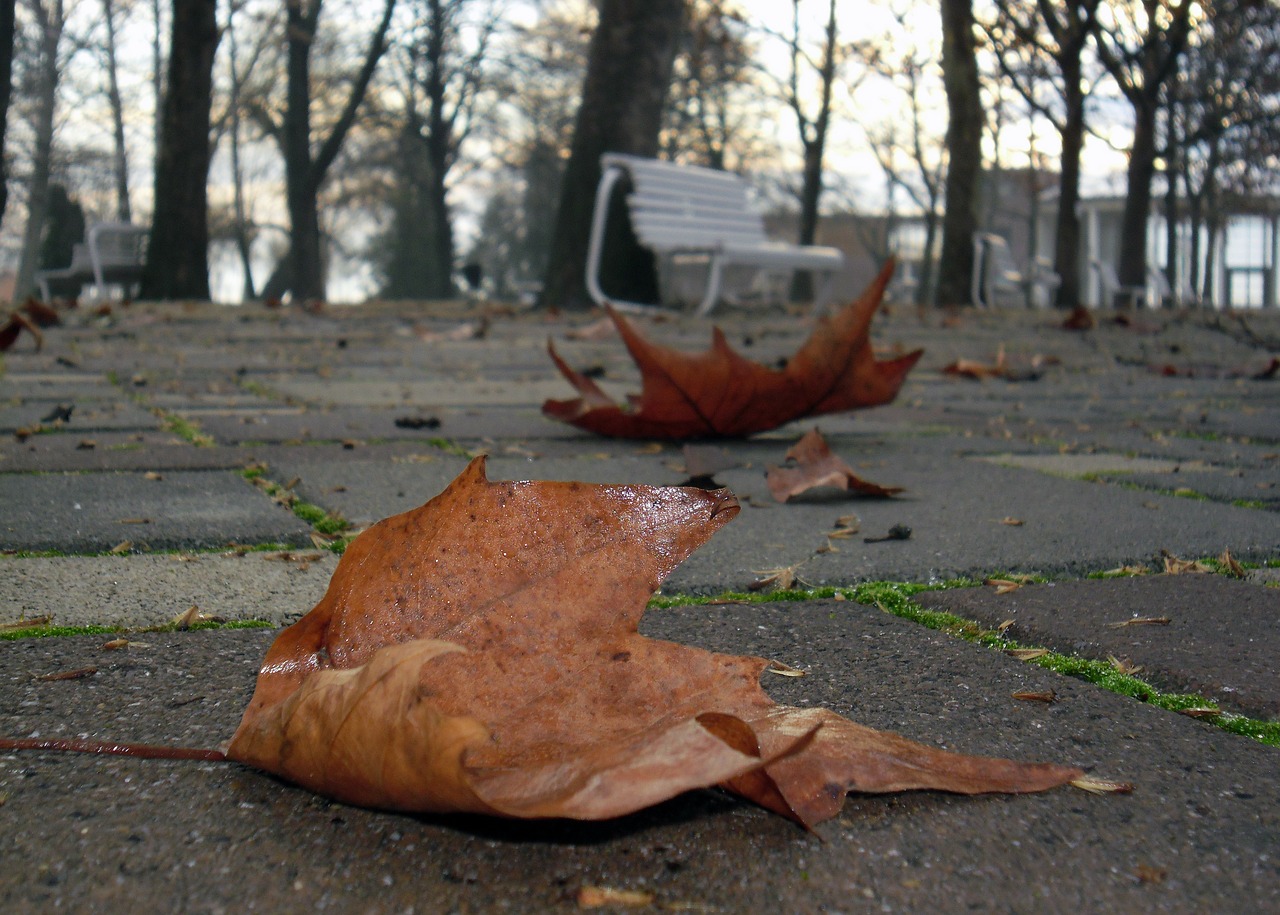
(825, 293)
(715, 278)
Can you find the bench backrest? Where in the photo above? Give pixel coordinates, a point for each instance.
(683, 206)
(118, 244)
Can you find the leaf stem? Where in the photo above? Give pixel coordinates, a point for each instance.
(110, 748)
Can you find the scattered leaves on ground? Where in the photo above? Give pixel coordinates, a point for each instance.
(719, 393)
(1023, 369)
(1175, 566)
(481, 653)
(811, 466)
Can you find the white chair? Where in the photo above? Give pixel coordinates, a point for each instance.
(1110, 288)
(996, 277)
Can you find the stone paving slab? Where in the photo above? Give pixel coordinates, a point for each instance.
(86, 417)
(139, 591)
(66, 450)
(1221, 640)
(181, 510)
(98, 834)
(955, 514)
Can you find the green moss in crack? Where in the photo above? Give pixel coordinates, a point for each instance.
(449, 446)
(45, 632)
(1250, 503)
(185, 429)
(895, 598)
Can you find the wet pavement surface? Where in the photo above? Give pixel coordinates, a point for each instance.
(133, 434)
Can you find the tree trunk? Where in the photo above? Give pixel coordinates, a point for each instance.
(121, 159)
(1066, 248)
(178, 250)
(628, 75)
(7, 8)
(964, 152)
(303, 270)
(241, 227)
(50, 22)
(1132, 269)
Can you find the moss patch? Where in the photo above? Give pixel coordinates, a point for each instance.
(895, 598)
(45, 632)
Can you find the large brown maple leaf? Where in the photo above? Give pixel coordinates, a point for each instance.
(480, 653)
(719, 393)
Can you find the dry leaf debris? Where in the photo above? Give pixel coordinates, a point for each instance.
(481, 653)
(719, 393)
(812, 465)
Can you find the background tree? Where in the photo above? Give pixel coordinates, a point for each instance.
(120, 157)
(302, 270)
(442, 77)
(628, 75)
(537, 76)
(1041, 50)
(715, 100)
(7, 8)
(47, 56)
(909, 69)
(964, 151)
(1140, 42)
(178, 249)
(1224, 129)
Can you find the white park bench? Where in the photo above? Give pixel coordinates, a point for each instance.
(113, 254)
(687, 215)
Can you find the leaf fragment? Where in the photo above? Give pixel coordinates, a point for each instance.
(597, 897)
(1124, 665)
(782, 579)
(812, 466)
(1044, 695)
(1101, 785)
(1141, 621)
(1126, 571)
(1201, 711)
(1231, 565)
(34, 623)
(188, 618)
(1026, 654)
(1175, 566)
(1011, 521)
(784, 670)
(78, 674)
(846, 527)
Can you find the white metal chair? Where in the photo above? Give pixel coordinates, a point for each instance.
(1110, 289)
